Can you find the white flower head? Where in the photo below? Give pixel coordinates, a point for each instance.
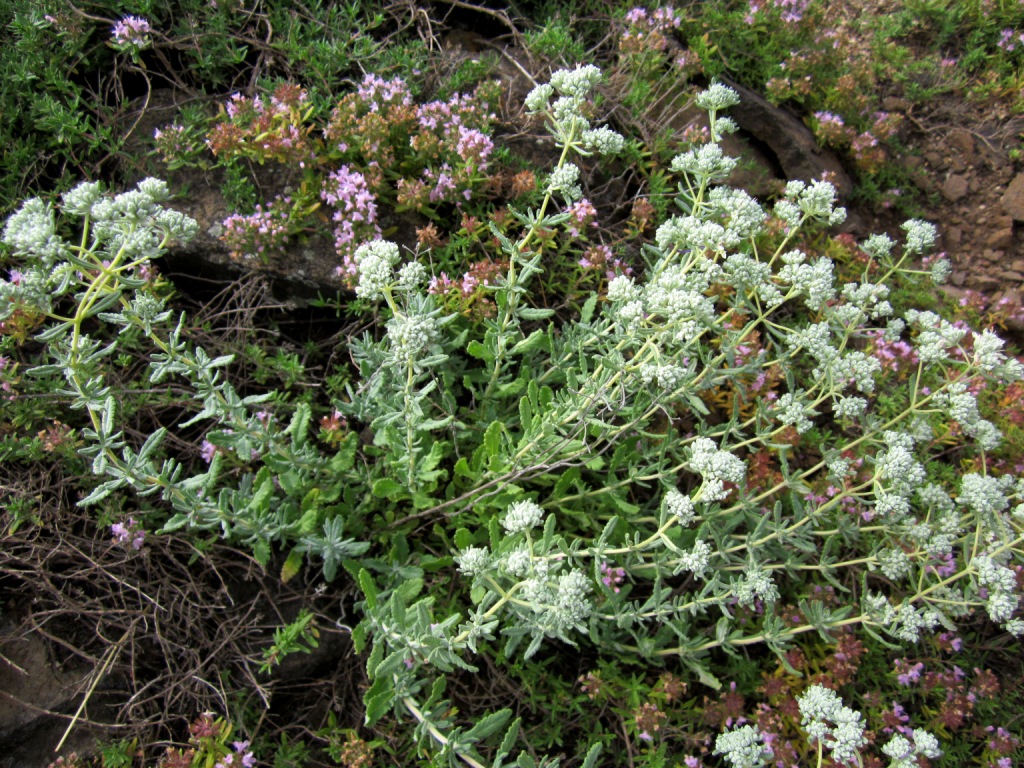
(537, 100)
(80, 200)
(622, 289)
(564, 180)
(473, 561)
(920, 235)
(375, 263)
(604, 141)
(743, 747)
(411, 276)
(716, 97)
(522, 515)
(679, 505)
(578, 82)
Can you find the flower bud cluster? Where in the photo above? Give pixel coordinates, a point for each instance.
(743, 747)
(826, 719)
(717, 467)
(904, 753)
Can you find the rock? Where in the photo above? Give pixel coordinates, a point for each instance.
(954, 188)
(953, 237)
(37, 692)
(894, 104)
(962, 142)
(983, 283)
(958, 279)
(789, 139)
(1000, 239)
(1013, 198)
(1012, 276)
(935, 160)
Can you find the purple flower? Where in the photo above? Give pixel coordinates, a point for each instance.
(208, 450)
(130, 534)
(132, 31)
(908, 673)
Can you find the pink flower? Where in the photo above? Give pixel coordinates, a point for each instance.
(132, 31)
(129, 534)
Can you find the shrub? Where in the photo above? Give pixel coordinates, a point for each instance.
(697, 462)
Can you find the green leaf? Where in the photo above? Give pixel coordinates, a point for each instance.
(475, 349)
(534, 313)
(525, 413)
(379, 699)
(463, 538)
(292, 565)
(587, 313)
(369, 588)
(507, 742)
(488, 725)
(385, 488)
(536, 340)
(590, 761)
(462, 469)
(492, 438)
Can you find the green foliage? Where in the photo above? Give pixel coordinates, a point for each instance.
(714, 451)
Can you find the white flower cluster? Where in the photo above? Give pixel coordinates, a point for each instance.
(604, 141)
(576, 83)
(32, 229)
(697, 560)
(518, 562)
(813, 280)
(920, 236)
(855, 368)
(668, 377)
(744, 273)
(878, 247)
(679, 505)
(940, 271)
(839, 468)
(564, 180)
(872, 298)
(984, 494)
(935, 497)
(894, 563)
(409, 335)
(80, 200)
(935, 336)
(814, 201)
(850, 407)
(558, 607)
(522, 515)
(707, 161)
(411, 276)
(897, 465)
(716, 467)
(677, 293)
(826, 719)
(909, 620)
(623, 289)
(743, 747)
(741, 213)
(716, 97)
(756, 584)
(791, 409)
(375, 263)
(690, 232)
(473, 561)
(904, 754)
(1000, 582)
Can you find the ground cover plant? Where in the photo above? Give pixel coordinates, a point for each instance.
(690, 480)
